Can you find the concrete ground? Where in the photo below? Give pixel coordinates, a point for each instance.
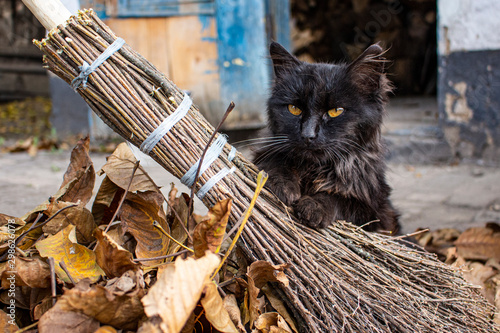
(428, 194)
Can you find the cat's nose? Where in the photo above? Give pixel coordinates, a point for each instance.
(309, 137)
(310, 130)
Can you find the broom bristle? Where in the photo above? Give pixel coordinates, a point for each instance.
(341, 278)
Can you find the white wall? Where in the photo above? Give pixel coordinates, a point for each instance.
(468, 25)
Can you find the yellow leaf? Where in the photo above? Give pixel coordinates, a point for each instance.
(174, 296)
(80, 261)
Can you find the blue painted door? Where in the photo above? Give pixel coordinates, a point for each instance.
(244, 31)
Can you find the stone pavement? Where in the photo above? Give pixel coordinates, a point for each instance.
(427, 196)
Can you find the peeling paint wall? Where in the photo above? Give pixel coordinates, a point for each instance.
(469, 77)
(468, 25)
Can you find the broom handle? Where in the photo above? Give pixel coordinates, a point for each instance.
(50, 13)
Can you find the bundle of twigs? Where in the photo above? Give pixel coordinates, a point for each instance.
(341, 278)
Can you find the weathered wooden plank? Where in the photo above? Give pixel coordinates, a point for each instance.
(148, 36)
(194, 67)
(184, 48)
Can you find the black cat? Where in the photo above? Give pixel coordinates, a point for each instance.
(324, 153)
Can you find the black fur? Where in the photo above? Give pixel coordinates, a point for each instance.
(329, 169)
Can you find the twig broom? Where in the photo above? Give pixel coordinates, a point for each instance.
(341, 278)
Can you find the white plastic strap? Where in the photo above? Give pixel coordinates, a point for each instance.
(86, 69)
(166, 125)
(232, 154)
(214, 180)
(211, 155)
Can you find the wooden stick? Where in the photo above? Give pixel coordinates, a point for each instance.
(50, 13)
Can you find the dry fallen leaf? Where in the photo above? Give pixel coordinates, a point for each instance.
(215, 312)
(478, 274)
(262, 272)
(8, 322)
(138, 214)
(231, 306)
(179, 227)
(43, 306)
(149, 327)
(130, 283)
(10, 228)
(209, 233)
(106, 329)
(31, 272)
(30, 217)
(118, 310)
(78, 216)
(106, 201)
(119, 168)
(14, 222)
(479, 243)
(80, 174)
(111, 257)
(254, 305)
(175, 294)
(25, 297)
(80, 261)
(279, 306)
(271, 322)
(57, 320)
(496, 281)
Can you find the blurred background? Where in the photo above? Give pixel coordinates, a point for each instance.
(445, 65)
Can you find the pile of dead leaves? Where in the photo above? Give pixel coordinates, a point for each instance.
(127, 264)
(476, 252)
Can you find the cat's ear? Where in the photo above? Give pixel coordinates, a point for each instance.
(368, 71)
(282, 59)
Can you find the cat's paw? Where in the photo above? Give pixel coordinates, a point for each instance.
(287, 191)
(312, 213)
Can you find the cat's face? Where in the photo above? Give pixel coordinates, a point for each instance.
(324, 110)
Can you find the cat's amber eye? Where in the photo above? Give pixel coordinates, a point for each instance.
(294, 110)
(335, 112)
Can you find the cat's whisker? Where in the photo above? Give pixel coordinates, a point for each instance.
(261, 142)
(272, 144)
(354, 144)
(271, 151)
(261, 139)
